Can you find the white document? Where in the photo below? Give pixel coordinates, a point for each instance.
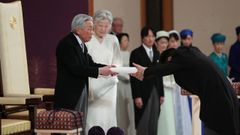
(124, 70)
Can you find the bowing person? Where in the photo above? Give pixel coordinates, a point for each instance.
(195, 72)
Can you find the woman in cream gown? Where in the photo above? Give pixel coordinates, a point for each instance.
(104, 48)
(125, 109)
(175, 117)
(166, 123)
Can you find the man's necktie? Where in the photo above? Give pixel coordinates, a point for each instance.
(82, 46)
(151, 55)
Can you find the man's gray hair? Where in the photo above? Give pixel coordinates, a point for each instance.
(79, 20)
(102, 15)
(118, 19)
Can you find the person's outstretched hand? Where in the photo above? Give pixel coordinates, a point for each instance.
(113, 73)
(106, 71)
(140, 72)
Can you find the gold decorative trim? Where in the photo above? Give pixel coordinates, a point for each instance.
(13, 22)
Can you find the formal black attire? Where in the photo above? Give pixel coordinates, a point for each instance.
(150, 90)
(74, 66)
(193, 71)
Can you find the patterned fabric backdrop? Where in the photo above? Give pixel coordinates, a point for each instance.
(45, 23)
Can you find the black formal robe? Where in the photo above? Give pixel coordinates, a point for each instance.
(144, 88)
(73, 69)
(194, 72)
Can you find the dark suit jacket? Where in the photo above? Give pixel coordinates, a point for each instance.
(73, 69)
(234, 61)
(196, 73)
(144, 88)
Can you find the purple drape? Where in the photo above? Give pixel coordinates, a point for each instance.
(45, 23)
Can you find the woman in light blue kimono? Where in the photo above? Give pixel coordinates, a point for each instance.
(218, 57)
(183, 121)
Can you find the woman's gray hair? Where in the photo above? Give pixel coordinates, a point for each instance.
(102, 15)
(79, 20)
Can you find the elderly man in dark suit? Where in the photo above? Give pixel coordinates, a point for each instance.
(147, 94)
(193, 71)
(75, 65)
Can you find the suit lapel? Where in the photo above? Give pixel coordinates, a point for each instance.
(86, 54)
(80, 53)
(78, 49)
(145, 55)
(155, 55)
(147, 59)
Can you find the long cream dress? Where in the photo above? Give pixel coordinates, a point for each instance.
(125, 109)
(175, 117)
(166, 124)
(103, 90)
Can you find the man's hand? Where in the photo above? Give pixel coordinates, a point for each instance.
(140, 72)
(113, 73)
(105, 71)
(138, 102)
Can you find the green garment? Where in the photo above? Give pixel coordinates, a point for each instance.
(221, 61)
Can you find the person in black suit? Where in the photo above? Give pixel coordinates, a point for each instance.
(147, 94)
(197, 73)
(75, 65)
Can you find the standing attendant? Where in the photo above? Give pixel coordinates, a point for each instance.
(234, 58)
(147, 94)
(217, 56)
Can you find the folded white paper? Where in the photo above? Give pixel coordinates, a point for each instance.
(124, 70)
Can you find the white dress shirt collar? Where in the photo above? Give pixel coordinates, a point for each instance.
(147, 48)
(78, 39)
